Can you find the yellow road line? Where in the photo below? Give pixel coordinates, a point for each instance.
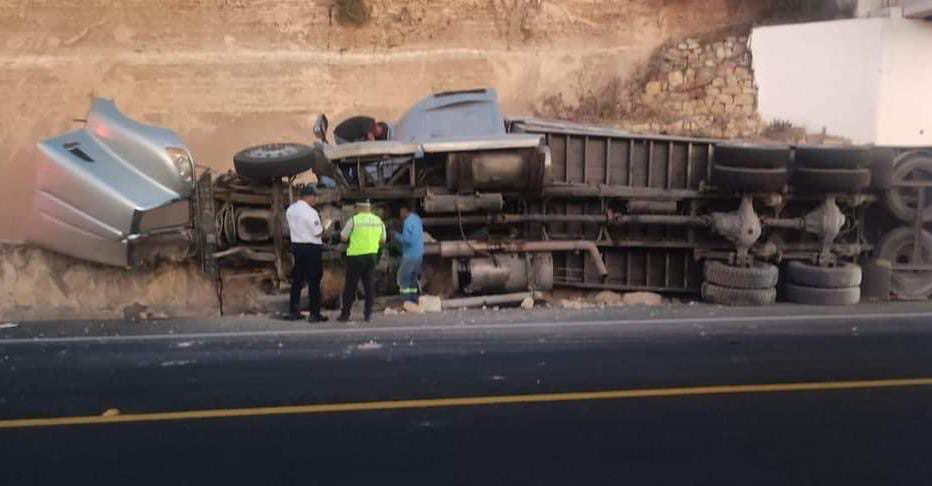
(465, 402)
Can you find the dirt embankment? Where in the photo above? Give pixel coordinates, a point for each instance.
(228, 73)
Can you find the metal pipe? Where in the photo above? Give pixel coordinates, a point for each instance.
(586, 190)
(788, 223)
(453, 249)
(616, 220)
(481, 300)
(249, 253)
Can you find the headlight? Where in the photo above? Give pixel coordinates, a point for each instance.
(183, 163)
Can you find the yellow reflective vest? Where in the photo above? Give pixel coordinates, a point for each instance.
(366, 236)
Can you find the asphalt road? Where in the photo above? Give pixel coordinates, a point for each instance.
(680, 395)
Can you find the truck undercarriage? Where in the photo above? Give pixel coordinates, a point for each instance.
(523, 205)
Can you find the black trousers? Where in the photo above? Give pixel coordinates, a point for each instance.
(308, 270)
(359, 267)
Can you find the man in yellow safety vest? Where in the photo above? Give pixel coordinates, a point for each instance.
(365, 233)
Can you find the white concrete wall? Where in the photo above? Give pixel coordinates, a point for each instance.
(905, 101)
(869, 80)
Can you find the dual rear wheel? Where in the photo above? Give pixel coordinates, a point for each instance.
(805, 283)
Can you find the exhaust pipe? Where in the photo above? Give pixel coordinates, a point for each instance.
(454, 249)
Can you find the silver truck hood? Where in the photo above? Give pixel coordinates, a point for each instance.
(113, 181)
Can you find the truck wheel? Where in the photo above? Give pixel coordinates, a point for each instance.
(759, 276)
(882, 167)
(751, 156)
(822, 157)
(749, 180)
(840, 276)
(822, 296)
(832, 180)
(717, 294)
(274, 160)
(915, 166)
(896, 247)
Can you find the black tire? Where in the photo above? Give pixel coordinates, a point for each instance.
(901, 201)
(749, 180)
(896, 247)
(822, 157)
(832, 180)
(759, 276)
(841, 276)
(717, 294)
(882, 167)
(801, 294)
(274, 160)
(751, 156)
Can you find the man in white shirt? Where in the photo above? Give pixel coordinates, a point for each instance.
(306, 245)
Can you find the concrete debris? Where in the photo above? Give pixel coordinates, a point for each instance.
(430, 303)
(527, 303)
(390, 312)
(369, 346)
(412, 308)
(641, 298)
(607, 297)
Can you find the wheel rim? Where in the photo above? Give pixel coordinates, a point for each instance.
(898, 248)
(916, 167)
(273, 151)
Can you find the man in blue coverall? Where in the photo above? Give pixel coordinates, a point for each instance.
(411, 239)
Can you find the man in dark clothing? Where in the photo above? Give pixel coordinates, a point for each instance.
(306, 245)
(360, 129)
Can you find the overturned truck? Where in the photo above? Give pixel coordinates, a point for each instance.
(511, 205)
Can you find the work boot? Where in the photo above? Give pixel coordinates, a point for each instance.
(344, 318)
(291, 316)
(317, 318)
(368, 317)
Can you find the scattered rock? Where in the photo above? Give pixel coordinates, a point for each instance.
(134, 312)
(110, 412)
(412, 308)
(642, 298)
(653, 88)
(675, 78)
(527, 303)
(574, 304)
(607, 297)
(430, 303)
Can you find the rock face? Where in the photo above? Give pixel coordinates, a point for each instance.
(35, 284)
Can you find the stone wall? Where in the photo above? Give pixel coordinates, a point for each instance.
(700, 86)
(703, 88)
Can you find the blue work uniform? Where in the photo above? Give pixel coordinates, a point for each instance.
(411, 239)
